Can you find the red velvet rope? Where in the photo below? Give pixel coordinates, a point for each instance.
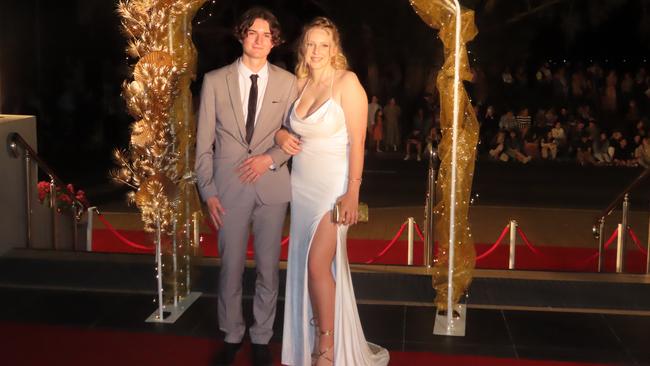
(495, 245)
(606, 246)
(120, 236)
(419, 231)
(389, 245)
(635, 239)
(528, 243)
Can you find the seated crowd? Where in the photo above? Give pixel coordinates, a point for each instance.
(588, 117)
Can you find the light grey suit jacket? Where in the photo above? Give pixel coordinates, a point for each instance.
(221, 137)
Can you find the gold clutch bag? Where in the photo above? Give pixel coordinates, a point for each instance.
(363, 212)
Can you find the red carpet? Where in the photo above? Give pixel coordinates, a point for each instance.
(38, 345)
(360, 251)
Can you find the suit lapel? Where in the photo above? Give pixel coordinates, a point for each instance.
(232, 79)
(270, 95)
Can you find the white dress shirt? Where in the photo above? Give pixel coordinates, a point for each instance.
(245, 86)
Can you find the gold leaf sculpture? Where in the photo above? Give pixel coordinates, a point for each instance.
(158, 164)
(439, 14)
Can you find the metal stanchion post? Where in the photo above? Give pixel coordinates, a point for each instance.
(409, 259)
(28, 198)
(89, 229)
(622, 236)
(601, 244)
(53, 207)
(513, 244)
(619, 249)
(75, 222)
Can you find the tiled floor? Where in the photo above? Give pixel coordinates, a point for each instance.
(614, 339)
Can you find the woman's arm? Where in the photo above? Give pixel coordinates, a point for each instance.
(355, 107)
(287, 141)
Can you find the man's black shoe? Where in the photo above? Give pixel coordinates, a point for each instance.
(261, 355)
(226, 356)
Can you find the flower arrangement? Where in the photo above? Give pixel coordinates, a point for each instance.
(64, 196)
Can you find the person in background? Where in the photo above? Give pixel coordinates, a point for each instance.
(392, 115)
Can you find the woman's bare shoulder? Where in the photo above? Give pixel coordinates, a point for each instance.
(347, 78)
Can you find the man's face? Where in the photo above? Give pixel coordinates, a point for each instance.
(258, 41)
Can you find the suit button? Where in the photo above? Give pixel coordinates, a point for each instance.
(250, 151)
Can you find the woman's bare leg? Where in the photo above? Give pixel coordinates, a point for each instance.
(322, 287)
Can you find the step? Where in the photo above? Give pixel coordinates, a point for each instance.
(386, 284)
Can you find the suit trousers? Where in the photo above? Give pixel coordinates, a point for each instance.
(267, 222)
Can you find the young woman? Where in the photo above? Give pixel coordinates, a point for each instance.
(321, 321)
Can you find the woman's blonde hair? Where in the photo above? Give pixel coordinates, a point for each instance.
(338, 61)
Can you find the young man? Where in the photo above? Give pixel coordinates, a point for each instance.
(243, 179)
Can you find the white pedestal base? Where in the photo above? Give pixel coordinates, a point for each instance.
(457, 326)
(172, 313)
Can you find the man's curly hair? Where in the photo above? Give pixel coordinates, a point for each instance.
(248, 18)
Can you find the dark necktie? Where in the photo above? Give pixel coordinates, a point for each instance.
(252, 106)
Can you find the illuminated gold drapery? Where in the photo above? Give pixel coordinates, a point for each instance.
(439, 16)
(158, 164)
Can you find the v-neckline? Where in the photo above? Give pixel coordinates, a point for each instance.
(312, 113)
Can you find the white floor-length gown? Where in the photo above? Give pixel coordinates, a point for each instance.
(318, 179)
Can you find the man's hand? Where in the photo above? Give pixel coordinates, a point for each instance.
(216, 211)
(253, 168)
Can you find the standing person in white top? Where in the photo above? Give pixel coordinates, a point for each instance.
(243, 179)
(321, 320)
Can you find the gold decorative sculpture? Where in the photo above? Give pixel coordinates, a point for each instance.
(455, 170)
(159, 162)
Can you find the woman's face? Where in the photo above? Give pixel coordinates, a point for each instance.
(318, 48)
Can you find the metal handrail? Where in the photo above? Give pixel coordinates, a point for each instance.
(621, 197)
(14, 141)
(599, 224)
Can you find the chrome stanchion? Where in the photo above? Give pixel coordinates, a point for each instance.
(75, 224)
(89, 228)
(28, 197)
(620, 253)
(601, 243)
(54, 213)
(411, 224)
(513, 244)
(622, 236)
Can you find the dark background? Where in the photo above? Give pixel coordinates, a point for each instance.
(64, 61)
